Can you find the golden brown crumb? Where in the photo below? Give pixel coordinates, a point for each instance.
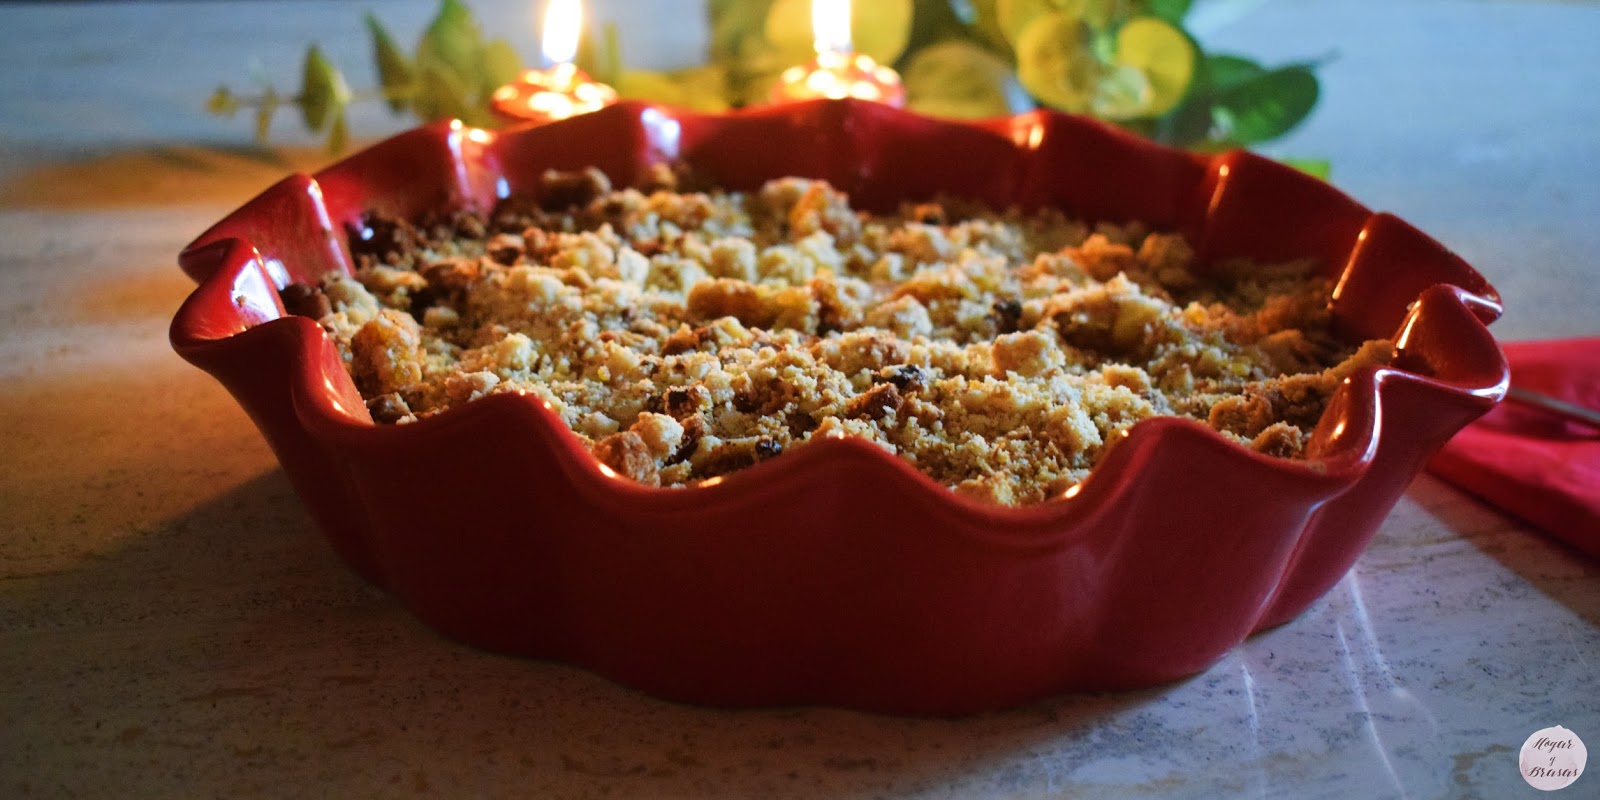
(386, 354)
(1279, 439)
(627, 453)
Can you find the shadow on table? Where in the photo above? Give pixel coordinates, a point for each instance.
(1561, 572)
(229, 638)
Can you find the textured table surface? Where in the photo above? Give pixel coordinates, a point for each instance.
(172, 625)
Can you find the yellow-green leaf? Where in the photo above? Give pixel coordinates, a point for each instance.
(338, 134)
(454, 42)
(441, 95)
(740, 47)
(957, 78)
(222, 102)
(1319, 168)
(758, 85)
(696, 88)
(984, 17)
(1054, 62)
(880, 28)
(1164, 55)
(611, 67)
(600, 57)
(1121, 93)
(736, 27)
(704, 87)
(396, 74)
(1102, 14)
(654, 87)
(322, 89)
(1013, 16)
(501, 65)
(264, 111)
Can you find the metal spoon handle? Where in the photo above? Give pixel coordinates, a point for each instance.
(1560, 408)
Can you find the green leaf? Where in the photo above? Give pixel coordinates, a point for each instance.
(501, 65)
(338, 134)
(1122, 93)
(1165, 57)
(740, 48)
(1172, 11)
(264, 111)
(588, 55)
(1014, 16)
(696, 88)
(396, 74)
(453, 42)
(322, 89)
(1185, 126)
(1055, 64)
(1225, 71)
(1102, 15)
(1319, 168)
(611, 67)
(1190, 124)
(960, 79)
(654, 87)
(982, 21)
(441, 94)
(736, 27)
(602, 57)
(1266, 107)
(704, 87)
(934, 21)
(222, 102)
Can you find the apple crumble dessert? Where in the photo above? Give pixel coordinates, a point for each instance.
(683, 335)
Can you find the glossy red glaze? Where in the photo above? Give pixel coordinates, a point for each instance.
(837, 574)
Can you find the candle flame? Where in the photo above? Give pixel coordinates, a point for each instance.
(830, 26)
(563, 20)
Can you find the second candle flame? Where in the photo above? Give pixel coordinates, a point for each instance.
(563, 20)
(830, 26)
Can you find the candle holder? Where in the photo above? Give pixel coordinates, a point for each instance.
(546, 95)
(836, 75)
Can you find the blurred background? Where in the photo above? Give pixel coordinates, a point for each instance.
(1442, 111)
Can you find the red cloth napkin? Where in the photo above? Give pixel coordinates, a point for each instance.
(1530, 463)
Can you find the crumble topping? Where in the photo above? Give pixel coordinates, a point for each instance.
(684, 335)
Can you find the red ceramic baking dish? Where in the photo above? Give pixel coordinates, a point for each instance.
(838, 574)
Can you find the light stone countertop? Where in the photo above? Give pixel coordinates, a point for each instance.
(171, 624)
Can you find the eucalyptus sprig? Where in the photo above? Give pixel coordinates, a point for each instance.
(1131, 62)
(451, 74)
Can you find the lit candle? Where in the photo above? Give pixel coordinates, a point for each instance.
(837, 71)
(560, 90)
